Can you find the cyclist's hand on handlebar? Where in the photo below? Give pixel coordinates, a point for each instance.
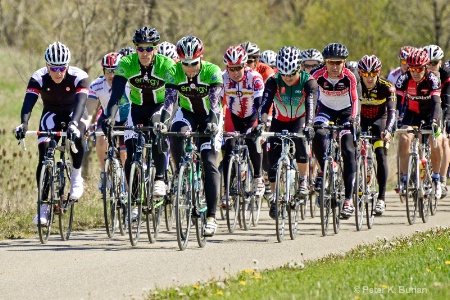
(212, 128)
(386, 136)
(159, 126)
(20, 131)
(309, 132)
(436, 128)
(73, 129)
(107, 123)
(257, 130)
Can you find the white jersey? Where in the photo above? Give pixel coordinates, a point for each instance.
(101, 90)
(394, 75)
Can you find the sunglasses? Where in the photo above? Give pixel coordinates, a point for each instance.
(290, 75)
(306, 66)
(416, 69)
(192, 64)
(250, 61)
(235, 69)
(433, 63)
(403, 61)
(148, 49)
(57, 69)
(335, 62)
(109, 71)
(367, 74)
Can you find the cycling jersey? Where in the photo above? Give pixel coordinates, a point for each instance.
(101, 90)
(444, 75)
(63, 98)
(146, 83)
(422, 98)
(379, 102)
(239, 97)
(290, 102)
(394, 75)
(337, 94)
(197, 94)
(266, 71)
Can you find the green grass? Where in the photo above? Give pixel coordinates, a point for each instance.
(414, 267)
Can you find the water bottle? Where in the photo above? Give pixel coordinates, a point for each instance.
(243, 167)
(291, 180)
(369, 169)
(422, 164)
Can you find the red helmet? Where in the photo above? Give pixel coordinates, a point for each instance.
(369, 63)
(110, 60)
(190, 47)
(404, 51)
(418, 57)
(235, 55)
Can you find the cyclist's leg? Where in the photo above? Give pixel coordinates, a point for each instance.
(182, 121)
(273, 155)
(323, 117)
(348, 155)
(76, 189)
(444, 163)
(436, 158)
(378, 127)
(301, 155)
(158, 158)
(101, 146)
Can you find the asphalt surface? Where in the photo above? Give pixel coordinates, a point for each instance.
(91, 266)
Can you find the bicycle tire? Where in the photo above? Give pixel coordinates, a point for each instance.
(360, 192)
(66, 207)
(294, 215)
(121, 207)
(45, 190)
(399, 180)
(427, 185)
(281, 198)
(136, 195)
(248, 196)
(109, 196)
(433, 202)
(412, 192)
(312, 169)
(200, 204)
(338, 201)
(169, 215)
(151, 212)
(372, 192)
(232, 195)
(325, 198)
(183, 206)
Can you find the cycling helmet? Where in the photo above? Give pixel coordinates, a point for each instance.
(269, 57)
(111, 60)
(312, 54)
(168, 49)
(418, 57)
(288, 60)
(404, 51)
(235, 55)
(369, 63)
(250, 48)
(335, 50)
(126, 51)
(190, 47)
(351, 64)
(57, 54)
(434, 52)
(146, 35)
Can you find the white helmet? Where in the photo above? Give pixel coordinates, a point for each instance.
(57, 54)
(288, 60)
(168, 49)
(250, 48)
(269, 57)
(434, 52)
(312, 54)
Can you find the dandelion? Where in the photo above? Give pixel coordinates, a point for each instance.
(384, 286)
(196, 286)
(428, 270)
(249, 271)
(219, 292)
(440, 249)
(256, 277)
(375, 284)
(242, 282)
(447, 262)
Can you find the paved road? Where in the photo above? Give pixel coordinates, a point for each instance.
(91, 266)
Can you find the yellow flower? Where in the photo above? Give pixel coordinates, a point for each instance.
(428, 270)
(219, 292)
(248, 271)
(375, 284)
(256, 277)
(384, 286)
(440, 249)
(447, 262)
(196, 286)
(242, 282)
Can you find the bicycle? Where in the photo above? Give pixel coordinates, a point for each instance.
(286, 185)
(240, 195)
(52, 182)
(366, 184)
(420, 190)
(331, 196)
(313, 168)
(140, 187)
(190, 203)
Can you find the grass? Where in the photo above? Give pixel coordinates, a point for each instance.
(412, 267)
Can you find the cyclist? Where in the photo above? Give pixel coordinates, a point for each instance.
(100, 90)
(126, 51)
(197, 86)
(378, 109)
(145, 73)
(242, 94)
(419, 96)
(311, 59)
(435, 65)
(63, 91)
(169, 50)
(293, 94)
(403, 68)
(338, 94)
(269, 57)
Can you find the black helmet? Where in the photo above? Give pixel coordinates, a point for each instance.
(335, 50)
(126, 51)
(146, 35)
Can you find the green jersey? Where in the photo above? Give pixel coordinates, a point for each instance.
(147, 84)
(193, 93)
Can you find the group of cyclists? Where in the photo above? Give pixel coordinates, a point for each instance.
(172, 88)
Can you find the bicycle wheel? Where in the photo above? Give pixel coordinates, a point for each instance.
(412, 189)
(183, 206)
(66, 207)
(399, 180)
(200, 207)
(257, 203)
(281, 198)
(313, 170)
(248, 196)
(169, 215)
(121, 204)
(337, 201)
(359, 191)
(428, 193)
(45, 191)
(325, 197)
(372, 192)
(433, 202)
(232, 194)
(136, 196)
(296, 208)
(151, 211)
(110, 197)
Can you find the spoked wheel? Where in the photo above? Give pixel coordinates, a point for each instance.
(313, 169)
(172, 180)
(281, 198)
(110, 197)
(429, 192)
(412, 189)
(325, 197)
(433, 202)
(183, 207)
(399, 181)
(232, 195)
(293, 210)
(338, 201)
(248, 197)
(152, 209)
(372, 193)
(200, 219)
(45, 191)
(65, 207)
(136, 196)
(359, 192)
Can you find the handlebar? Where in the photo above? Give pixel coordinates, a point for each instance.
(73, 147)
